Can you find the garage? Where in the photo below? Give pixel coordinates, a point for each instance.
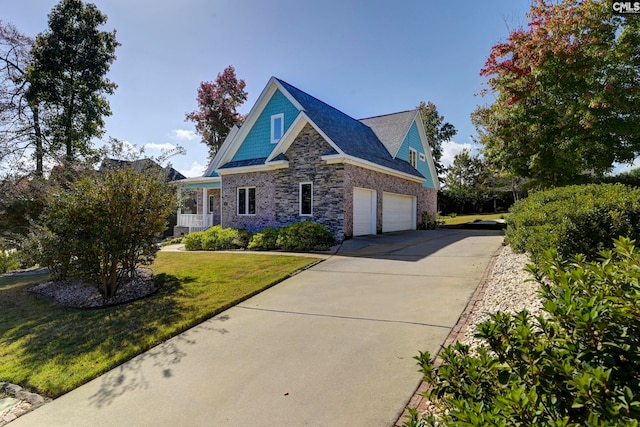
(398, 212)
(364, 212)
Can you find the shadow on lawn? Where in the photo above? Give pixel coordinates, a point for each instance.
(72, 346)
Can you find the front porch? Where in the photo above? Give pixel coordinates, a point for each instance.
(198, 205)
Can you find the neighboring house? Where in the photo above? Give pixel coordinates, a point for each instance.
(296, 158)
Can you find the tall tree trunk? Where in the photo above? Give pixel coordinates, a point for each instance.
(38, 141)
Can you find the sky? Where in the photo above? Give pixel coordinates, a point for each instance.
(365, 58)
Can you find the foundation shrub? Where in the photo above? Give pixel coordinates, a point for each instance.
(264, 240)
(305, 236)
(576, 364)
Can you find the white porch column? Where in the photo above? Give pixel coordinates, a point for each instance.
(205, 208)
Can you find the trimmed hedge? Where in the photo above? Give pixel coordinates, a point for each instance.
(578, 219)
(300, 236)
(216, 239)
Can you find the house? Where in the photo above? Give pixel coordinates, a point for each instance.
(298, 159)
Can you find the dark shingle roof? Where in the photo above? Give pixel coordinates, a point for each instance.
(391, 128)
(353, 137)
(242, 163)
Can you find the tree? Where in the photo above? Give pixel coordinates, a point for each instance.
(68, 75)
(217, 105)
(103, 226)
(567, 93)
(20, 124)
(437, 132)
(466, 181)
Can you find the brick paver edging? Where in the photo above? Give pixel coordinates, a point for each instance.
(418, 401)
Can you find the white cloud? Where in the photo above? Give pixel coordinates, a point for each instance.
(450, 149)
(195, 170)
(159, 147)
(626, 167)
(183, 135)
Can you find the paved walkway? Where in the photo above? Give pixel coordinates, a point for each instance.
(332, 346)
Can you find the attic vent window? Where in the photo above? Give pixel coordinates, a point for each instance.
(277, 127)
(413, 157)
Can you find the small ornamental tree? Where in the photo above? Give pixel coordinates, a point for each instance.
(217, 105)
(103, 227)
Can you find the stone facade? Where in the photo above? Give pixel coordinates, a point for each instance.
(278, 191)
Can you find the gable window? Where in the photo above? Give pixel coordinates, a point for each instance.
(306, 199)
(212, 203)
(277, 127)
(413, 157)
(423, 158)
(247, 201)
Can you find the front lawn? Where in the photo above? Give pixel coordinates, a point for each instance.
(463, 219)
(52, 350)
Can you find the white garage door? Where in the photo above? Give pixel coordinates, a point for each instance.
(364, 212)
(398, 212)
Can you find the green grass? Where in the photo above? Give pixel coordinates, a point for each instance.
(462, 219)
(52, 350)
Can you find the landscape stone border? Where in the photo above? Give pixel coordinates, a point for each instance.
(28, 402)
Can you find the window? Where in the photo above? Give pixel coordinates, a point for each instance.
(189, 202)
(212, 203)
(306, 199)
(423, 158)
(413, 157)
(247, 201)
(277, 127)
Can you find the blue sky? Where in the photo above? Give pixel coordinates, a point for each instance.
(365, 58)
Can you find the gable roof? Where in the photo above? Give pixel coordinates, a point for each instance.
(141, 165)
(351, 136)
(391, 129)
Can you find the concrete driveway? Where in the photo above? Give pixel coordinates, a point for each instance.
(332, 346)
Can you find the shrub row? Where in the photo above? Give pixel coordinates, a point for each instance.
(300, 236)
(575, 219)
(574, 365)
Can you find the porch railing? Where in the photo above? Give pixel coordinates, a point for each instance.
(195, 222)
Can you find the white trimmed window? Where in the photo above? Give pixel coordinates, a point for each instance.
(306, 199)
(413, 157)
(277, 127)
(212, 203)
(247, 201)
(423, 158)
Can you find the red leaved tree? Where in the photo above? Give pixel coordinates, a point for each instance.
(567, 94)
(217, 108)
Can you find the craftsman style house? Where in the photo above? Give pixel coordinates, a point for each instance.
(298, 159)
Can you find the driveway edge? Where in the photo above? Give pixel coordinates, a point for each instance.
(417, 400)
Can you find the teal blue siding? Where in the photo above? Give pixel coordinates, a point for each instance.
(257, 143)
(413, 140)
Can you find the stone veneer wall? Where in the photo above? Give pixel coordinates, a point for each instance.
(264, 182)
(277, 192)
(305, 165)
(356, 176)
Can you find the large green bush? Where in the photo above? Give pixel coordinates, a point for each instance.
(216, 239)
(300, 236)
(575, 219)
(305, 236)
(264, 240)
(102, 227)
(574, 365)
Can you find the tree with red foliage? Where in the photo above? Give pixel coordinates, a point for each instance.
(567, 94)
(217, 108)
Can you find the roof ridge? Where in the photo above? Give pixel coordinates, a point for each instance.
(388, 114)
(316, 99)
